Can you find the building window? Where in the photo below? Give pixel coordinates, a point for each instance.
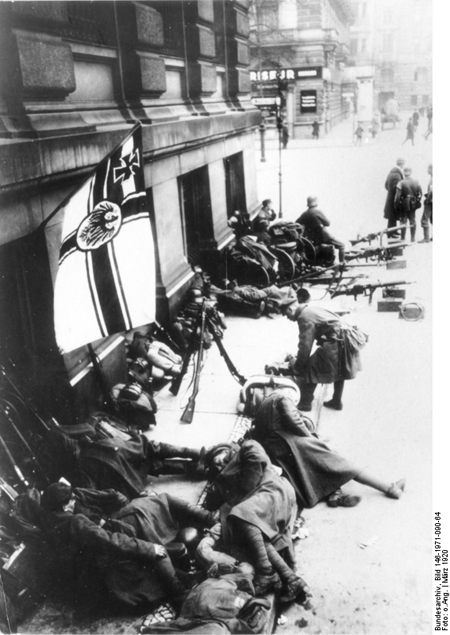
(387, 75)
(413, 100)
(91, 22)
(354, 46)
(172, 18)
(235, 184)
(195, 205)
(421, 74)
(425, 99)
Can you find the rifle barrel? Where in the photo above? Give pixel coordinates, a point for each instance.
(188, 413)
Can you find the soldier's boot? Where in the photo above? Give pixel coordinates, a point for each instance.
(199, 516)
(336, 401)
(294, 587)
(403, 234)
(426, 235)
(413, 233)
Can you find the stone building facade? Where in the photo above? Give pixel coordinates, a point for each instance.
(396, 39)
(308, 40)
(75, 77)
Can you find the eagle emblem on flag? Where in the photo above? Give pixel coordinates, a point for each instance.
(105, 282)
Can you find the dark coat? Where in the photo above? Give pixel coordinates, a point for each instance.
(394, 176)
(333, 359)
(120, 554)
(313, 220)
(408, 192)
(248, 488)
(313, 469)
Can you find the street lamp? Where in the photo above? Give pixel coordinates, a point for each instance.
(280, 175)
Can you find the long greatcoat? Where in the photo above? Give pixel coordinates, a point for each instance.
(394, 176)
(249, 488)
(119, 555)
(333, 359)
(313, 469)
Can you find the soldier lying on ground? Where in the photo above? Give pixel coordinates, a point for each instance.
(314, 470)
(256, 509)
(127, 549)
(117, 464)
(222, 605)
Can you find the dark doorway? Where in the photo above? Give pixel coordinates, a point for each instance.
(235, 184)
(198, 233)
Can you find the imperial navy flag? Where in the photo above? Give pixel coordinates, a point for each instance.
(105, 282)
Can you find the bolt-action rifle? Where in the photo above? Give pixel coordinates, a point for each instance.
(161, 332)
(212, 327)
(108, 398)
(366, 289)
(318, 271)
(188, 413)
(375, 235)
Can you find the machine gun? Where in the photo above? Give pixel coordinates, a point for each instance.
(375, 253)
(366, 289)
(318, 271)
(375, 235)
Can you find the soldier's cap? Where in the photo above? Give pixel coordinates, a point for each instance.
(311, 201)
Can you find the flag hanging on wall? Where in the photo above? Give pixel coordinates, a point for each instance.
(105, 282)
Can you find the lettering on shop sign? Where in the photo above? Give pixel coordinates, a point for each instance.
(271, 75)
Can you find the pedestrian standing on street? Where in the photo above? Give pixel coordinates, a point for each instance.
(415, 119)
(427, 216)
(408, 198)
(375, 126)
(359, 134)
(315, 222)
(409, 131)
(394, 176)
(285, 136)
(430, 121)
(336, 357)
(315, 127)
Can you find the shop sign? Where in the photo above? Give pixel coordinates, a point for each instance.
(271, 75)
(308, 101)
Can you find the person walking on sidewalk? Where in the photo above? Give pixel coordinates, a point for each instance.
(359, 135)
(408, 198)
(394, 176)
(409, 131)
(315, 471)
(315, 126)
(427, 216)
(315, 222)
(336, 357)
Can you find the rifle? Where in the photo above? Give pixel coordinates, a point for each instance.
(317, 272)
(13, 463)
(188, 413)
(373, 236)
(108, 399)
(26, 399)
(8, 490)
(176, 381)
(367, 289)
(218, 340)
(6, 410)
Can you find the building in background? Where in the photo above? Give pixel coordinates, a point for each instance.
(307, 42)
(395, 38)
(75, 77)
